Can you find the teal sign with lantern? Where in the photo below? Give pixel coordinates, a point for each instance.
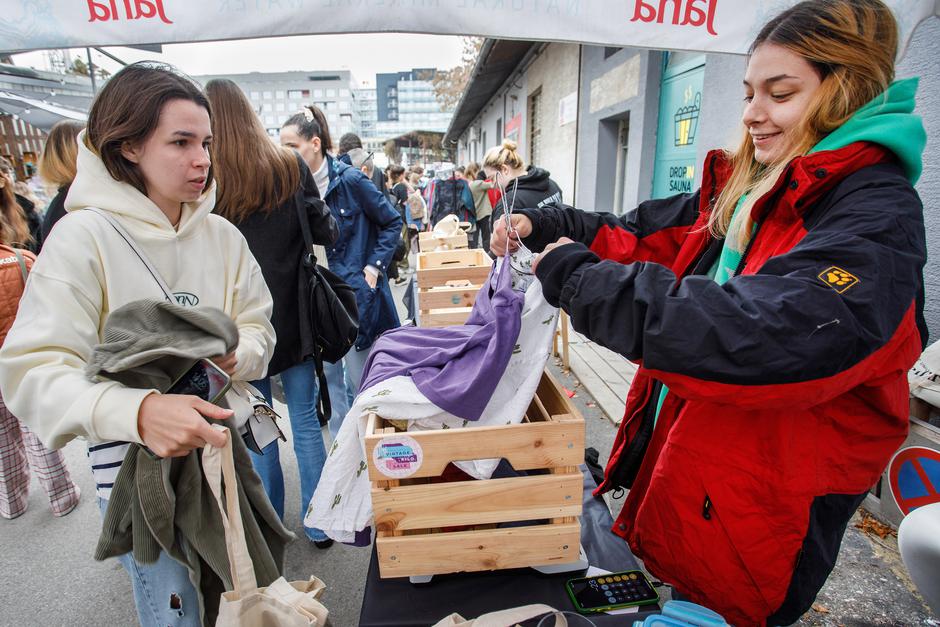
(680, 107)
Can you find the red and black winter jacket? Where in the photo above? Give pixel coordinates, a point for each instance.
(788, 390)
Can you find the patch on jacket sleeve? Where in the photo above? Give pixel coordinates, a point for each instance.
(838, 279)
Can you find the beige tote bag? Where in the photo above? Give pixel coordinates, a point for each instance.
(507, 618)
(283, 603)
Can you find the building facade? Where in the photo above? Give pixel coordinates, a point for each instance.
(276, 96)
(406, 101)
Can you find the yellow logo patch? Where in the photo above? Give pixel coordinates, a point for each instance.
(838, 279)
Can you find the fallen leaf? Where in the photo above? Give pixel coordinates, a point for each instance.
(591, 404)
(568, 393)
(820, 608)
(872, 526)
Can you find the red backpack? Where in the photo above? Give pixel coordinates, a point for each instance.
(14, 266)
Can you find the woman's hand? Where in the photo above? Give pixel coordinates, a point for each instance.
(561, 242)
(501, 239)
(171, 425)
(371, 279)
(227, 363)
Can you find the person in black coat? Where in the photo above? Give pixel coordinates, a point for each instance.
(57, 168)
(264, 189)
(524, 187)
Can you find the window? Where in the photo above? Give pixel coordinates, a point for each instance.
(279, 95)
(317, 93)
(279, 106)
(500, 131)
(331, 105)
(268, 95)
(344, 105)
(535, 127)
(256, 95)
(266, 107)
(270, 120)
(331, 93)
(344, 93)
(298, 94)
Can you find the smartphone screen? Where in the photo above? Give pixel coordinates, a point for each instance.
(204, 379)
(615, 589)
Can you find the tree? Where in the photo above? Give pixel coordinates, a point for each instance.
(78, 67)
(392, 151)
(449, 84)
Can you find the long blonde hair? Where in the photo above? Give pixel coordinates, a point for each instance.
(852, 44)
(252, 172)
(57, 165)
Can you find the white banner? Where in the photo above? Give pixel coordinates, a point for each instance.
(706, 25)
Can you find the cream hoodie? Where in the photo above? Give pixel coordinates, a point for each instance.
(87, 270)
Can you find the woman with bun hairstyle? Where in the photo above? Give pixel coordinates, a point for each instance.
(369, 228)
(775, 312)
(522, 186)
(261, 187)
(144, 163)
(57, 168)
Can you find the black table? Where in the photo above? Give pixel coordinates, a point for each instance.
(399, 603)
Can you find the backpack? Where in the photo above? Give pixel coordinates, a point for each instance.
(14, 266)
(416, 205)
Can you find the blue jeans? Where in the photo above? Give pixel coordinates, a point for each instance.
(341, 398)
(163, 593)
(355, 364)
(300, 390)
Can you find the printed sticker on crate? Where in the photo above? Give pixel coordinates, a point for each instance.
(397, 456)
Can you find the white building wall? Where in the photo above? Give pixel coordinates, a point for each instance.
(555, 72)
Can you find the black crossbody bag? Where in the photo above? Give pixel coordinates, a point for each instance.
(329, 308)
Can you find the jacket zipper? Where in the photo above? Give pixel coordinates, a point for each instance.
(706, 508)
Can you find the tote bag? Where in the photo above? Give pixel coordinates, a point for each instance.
(283, 603)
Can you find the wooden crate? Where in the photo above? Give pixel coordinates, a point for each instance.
(447, 284)
(428, 241)
(415, 517)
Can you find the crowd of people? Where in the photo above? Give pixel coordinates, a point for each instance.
(775, 311)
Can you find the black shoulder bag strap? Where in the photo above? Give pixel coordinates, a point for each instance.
(324, 409)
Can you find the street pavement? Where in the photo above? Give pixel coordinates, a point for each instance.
(48, 576)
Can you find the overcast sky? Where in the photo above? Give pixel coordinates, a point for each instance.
(364, 55)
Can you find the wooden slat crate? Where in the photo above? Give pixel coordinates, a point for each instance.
(415, 518)
(448, 282)
(428, 241)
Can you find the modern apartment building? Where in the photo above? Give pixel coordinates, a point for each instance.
(278, 95)
(405, 101)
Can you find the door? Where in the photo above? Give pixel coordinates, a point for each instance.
(680, 104)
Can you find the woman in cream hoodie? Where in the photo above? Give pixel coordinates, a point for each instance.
(144, 161)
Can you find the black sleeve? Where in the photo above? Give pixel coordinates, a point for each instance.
(323, 226)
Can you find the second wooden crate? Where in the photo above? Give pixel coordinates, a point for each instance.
(447, 285)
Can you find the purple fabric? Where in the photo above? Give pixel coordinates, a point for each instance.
(456, 368)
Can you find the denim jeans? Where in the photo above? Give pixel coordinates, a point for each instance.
(300, 391)
(163, 593)
(355, 364)
(340, 397)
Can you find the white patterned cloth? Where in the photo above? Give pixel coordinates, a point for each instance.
(342, 505)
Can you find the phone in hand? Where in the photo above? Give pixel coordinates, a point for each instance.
(205, 380)
(592, 595)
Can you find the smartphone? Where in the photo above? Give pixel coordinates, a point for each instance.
(592, 595)
(205, 380)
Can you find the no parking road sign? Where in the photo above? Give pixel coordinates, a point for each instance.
(914, 478)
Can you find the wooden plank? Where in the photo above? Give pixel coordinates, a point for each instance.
(526, 446)
(443, 258)
(444, 297)
(437, 318)
(608, 400)
(478, 502)
(554, 399)
(433, 277)
(470, 551)
(429, 242)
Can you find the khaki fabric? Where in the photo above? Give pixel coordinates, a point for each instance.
(281, 604)
(506, 618)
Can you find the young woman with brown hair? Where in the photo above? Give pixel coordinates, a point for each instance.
(14, 226)
(776, 312)
(144, 163)
(57, 168)
(261, 189)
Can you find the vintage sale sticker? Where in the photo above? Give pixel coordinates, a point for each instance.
(397, 456)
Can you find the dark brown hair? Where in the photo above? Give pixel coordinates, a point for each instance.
(127, 110)
(252, 172)
(312, 123)
(395, 173)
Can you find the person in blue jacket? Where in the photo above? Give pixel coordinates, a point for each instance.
(369, 229)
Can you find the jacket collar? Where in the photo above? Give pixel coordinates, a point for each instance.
(334, 168)
(805, 180)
